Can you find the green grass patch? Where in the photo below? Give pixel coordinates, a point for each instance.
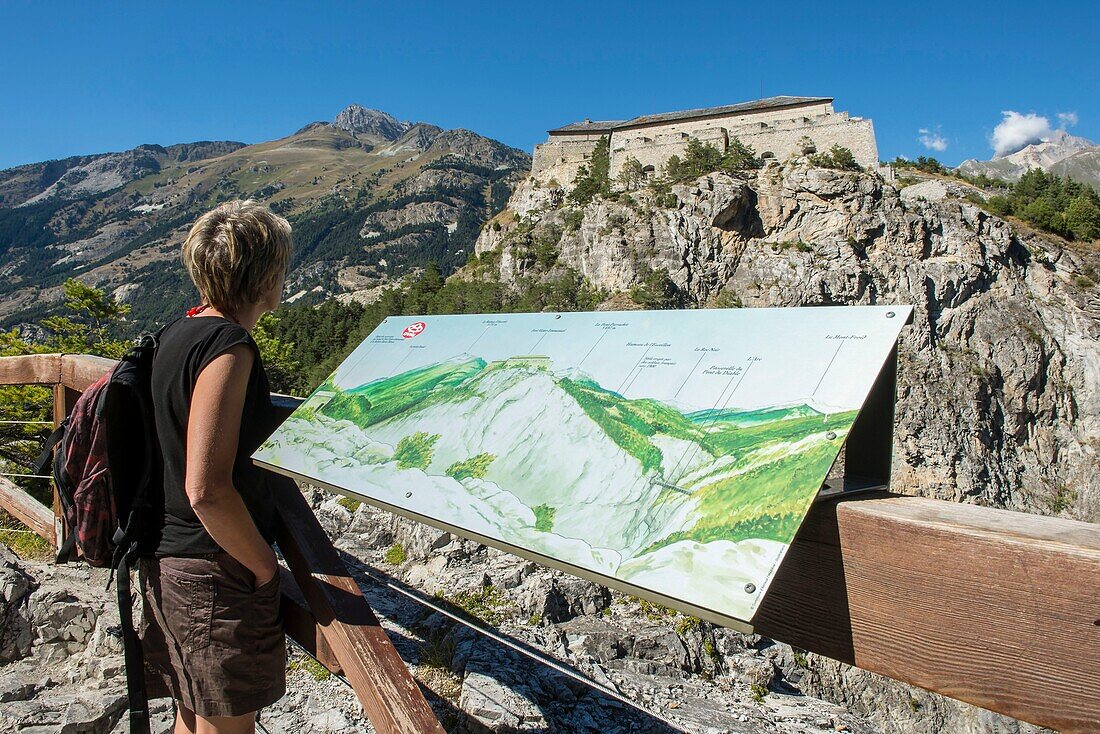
(307, 664)
(686, 625)
(652, 610)
(487, 603)
(437, 650)
(395, 555)
(22, 540)
(26, 544)
(349, 503)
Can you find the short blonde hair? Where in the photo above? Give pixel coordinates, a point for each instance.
(236, 252)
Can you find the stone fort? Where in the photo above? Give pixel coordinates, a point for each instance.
(775, 127)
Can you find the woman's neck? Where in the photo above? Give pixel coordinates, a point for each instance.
(246, 317)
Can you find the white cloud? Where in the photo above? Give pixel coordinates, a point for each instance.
(1067, 119)
(932, 140)
(1015, 131)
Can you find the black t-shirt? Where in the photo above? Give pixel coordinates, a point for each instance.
(186, 347)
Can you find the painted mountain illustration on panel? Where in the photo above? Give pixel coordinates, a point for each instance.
(691, 505)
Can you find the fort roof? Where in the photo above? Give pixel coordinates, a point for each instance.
(590, 126)
(768, 103)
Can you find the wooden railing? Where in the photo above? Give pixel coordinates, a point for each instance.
(996, 608)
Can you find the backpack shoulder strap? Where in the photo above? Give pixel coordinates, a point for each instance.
(132, 653)
(42, 463)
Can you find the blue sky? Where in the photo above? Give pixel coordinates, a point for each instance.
(88, 77)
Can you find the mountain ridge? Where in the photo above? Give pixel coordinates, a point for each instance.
(1066, 155)
(118, 219)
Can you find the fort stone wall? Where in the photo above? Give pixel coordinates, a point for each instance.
(777, 133)
(561, 157)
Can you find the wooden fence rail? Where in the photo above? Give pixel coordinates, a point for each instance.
(996, 608)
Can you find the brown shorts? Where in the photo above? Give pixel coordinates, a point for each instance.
(211, 641)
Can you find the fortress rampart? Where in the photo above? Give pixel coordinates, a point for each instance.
(774, 127)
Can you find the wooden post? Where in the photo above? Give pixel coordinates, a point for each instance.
(300, 626)
(390, 696)
(64, 398)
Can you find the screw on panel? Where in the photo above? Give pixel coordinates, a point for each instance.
(557, 315)
(830, 435)
(889, 314)
(750, 588)
(408, 494)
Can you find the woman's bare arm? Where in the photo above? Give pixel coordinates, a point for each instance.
(213, 427)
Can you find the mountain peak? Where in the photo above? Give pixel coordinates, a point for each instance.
(359, 120)
(1059, 152)
(1050, 149)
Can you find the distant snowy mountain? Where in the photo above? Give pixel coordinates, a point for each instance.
(1064, 154)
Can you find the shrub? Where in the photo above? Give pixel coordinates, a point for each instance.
(631, 175)
(474, 467)
(739, 157)
(573, 219)
(415, 451)
(927, 164)
(1083, 217)
(593, 180)
(703, 158)
(656, 290)
(999, 205)
(837, 157)
(1051, 203)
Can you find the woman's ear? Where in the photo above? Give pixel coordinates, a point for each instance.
(275, 295)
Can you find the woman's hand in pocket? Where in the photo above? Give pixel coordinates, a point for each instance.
(265, 575)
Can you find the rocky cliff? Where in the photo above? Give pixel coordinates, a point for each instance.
(999, 383)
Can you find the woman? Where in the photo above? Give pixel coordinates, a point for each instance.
(211, 632)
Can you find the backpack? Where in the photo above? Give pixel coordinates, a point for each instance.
(107, 470)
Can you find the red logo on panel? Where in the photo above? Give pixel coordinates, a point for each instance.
(414, 329)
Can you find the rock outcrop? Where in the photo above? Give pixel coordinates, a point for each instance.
(374, 125)
(999, 381)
